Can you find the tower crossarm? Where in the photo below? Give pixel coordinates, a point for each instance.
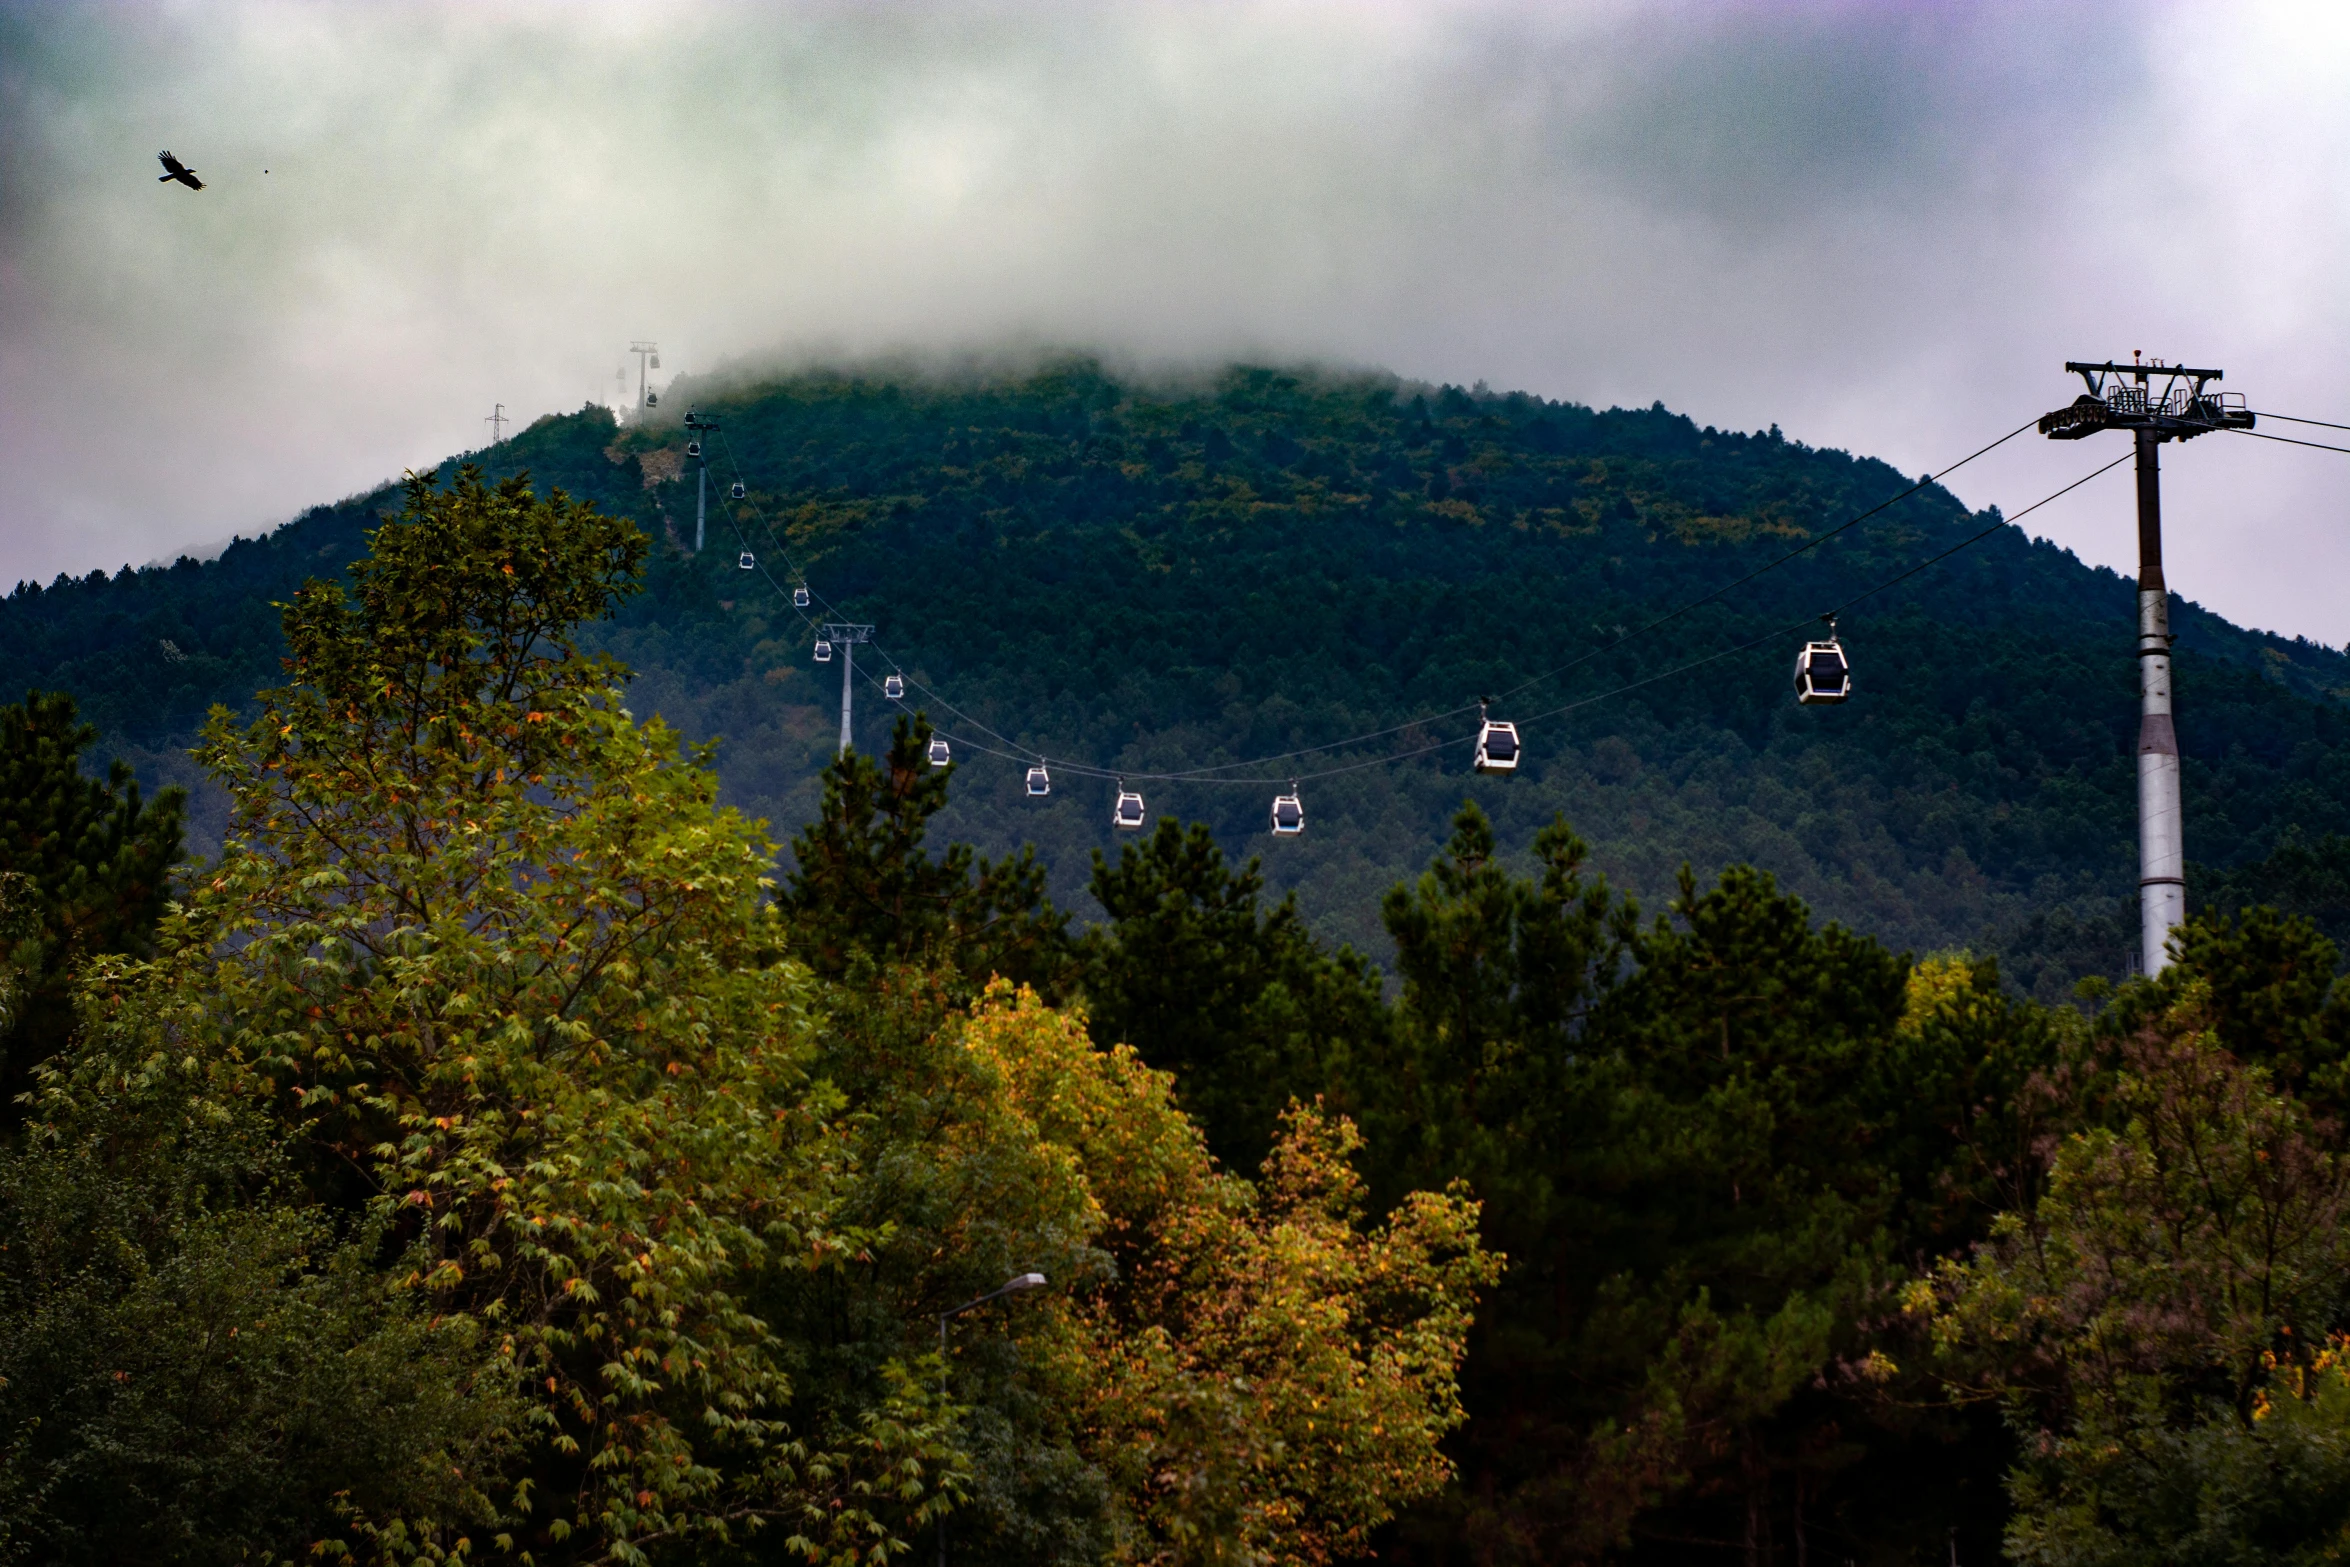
(2175, 402)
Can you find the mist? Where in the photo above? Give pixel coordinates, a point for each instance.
(1880, 228)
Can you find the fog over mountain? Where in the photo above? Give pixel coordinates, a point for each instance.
(1878, 228)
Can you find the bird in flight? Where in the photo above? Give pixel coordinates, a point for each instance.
(173, 169)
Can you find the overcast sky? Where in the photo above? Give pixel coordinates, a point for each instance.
(1882, 227)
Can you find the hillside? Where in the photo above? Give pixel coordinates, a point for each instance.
(1159, 578)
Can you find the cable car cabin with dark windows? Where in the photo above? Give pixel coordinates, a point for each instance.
(738, 492)
(1127, 814)
(940, 752)
(1289, 815)
(1497, 746)
(894, 687)
(1821, 674)
(1040, 782)
(748, 561)
(823, 651)
(693, 448)
(799, 595)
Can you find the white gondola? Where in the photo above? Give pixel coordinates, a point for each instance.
(799, 596)
(823, 651)
(1127, 814)
(748, 561)
(738, 492)
(653, 399)
(1040, 782)
(1497, 744)
(693, 448)
(894, 687)
(1822, 673)
(1289, 814)
(940, 752)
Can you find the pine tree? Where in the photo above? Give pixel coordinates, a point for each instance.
(90, 863)
(1238, 1000)
(865, 886)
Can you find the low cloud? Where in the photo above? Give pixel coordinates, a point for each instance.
(1879, 227)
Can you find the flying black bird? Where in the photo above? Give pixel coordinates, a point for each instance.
(173, 169)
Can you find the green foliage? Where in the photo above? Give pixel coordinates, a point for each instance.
(673, 1171)
(1498, 974)
(491, 997)
(1709, 1146)
(90, 867)
(2274, 998)
(864, 885)
(2303, 875)
(1239, 1001)
(200, 1364)
(494, 952)
(2176, 1287)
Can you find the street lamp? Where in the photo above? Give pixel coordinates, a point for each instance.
(1013, 1286)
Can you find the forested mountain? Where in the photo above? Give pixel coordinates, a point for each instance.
(495, 1149)
(1159, 578)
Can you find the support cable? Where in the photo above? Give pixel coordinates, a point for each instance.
(2323, 424)
(1777, 634)
(1207, 774)
(2262, 435)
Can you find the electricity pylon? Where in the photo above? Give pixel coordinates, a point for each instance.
(2122, 397)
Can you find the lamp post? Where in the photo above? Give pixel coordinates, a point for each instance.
(1013, 1286)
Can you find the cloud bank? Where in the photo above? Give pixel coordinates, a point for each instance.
(1878, 227)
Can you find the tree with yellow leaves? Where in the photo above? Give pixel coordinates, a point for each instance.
(1265, 1378)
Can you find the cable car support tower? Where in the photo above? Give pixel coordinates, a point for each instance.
(701, 427)
(2124, 397)
(846, 637)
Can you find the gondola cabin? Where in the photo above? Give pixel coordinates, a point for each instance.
(940, 752)
(1127, 814)
(823, 651)
(1821, 673)
(747, 561)
(1289, 814)
(799, 596)
(1497, 746)
(738, 492)
(894, 687)
(1040, 782)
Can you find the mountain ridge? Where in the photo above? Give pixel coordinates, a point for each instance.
(1156, 579)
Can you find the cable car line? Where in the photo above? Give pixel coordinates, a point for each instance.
(1203, 773)
(2262, 435)
(1777, 634)
(2323, 424)
(823, 655)
(802, 594)
(1207, 775)
(1805, 547)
